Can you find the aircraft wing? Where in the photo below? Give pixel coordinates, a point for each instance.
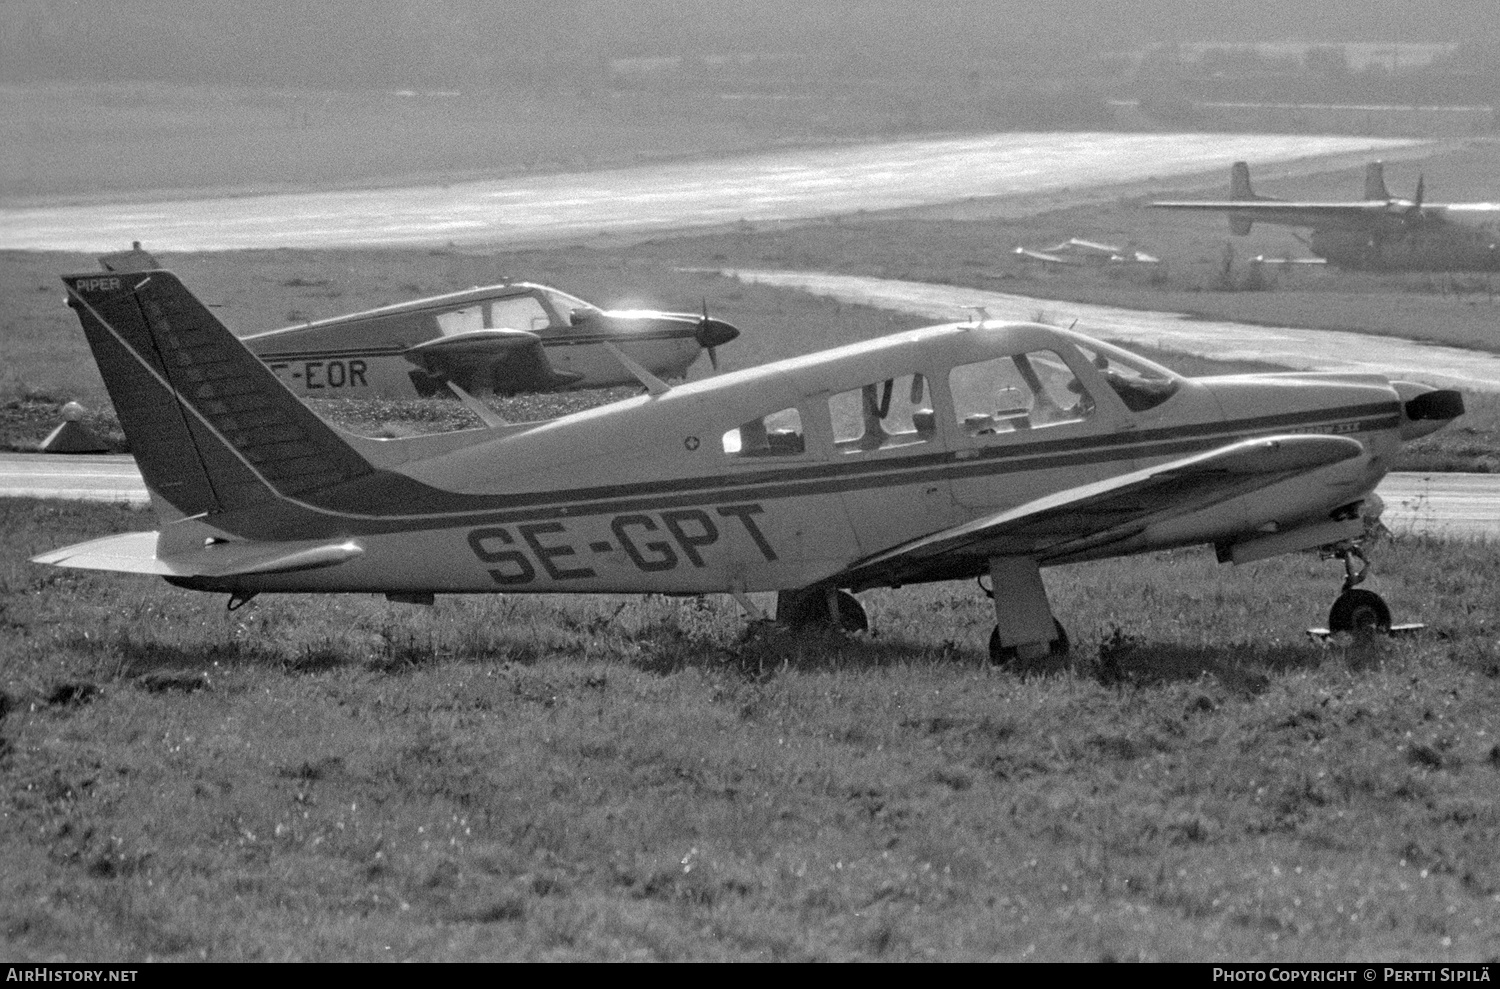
(502, 359)
(136, 552)
(1354, 215)
(1033, 255)
(132, 260)
(1075, 521)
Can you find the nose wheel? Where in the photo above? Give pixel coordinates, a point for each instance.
(1359, 613)
(1356, 611)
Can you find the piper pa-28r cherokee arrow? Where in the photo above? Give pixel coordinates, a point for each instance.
(958, 451)
(501, 339)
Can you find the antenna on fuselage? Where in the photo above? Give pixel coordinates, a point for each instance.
(981, 315)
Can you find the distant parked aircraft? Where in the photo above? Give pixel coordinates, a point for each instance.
(502, 339)
(1077, 251)
(1377, 233)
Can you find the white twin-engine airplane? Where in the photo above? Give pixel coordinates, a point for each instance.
(981, 450)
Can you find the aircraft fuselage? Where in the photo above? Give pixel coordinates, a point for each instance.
(375, 354)
(1436, 244)
(767, 479)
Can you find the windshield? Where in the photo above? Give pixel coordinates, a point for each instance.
(1140, 384)
(564, 304)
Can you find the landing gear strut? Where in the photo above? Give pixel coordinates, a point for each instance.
(1358, 612)
(1025, 628)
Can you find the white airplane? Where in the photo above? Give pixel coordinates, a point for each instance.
(969, 450)
(499, 339)
(1076, 251)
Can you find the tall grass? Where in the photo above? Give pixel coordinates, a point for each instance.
(618, 778)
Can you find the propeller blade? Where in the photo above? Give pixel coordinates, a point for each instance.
(712, 333)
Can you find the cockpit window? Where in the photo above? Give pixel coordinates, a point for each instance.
(883, 415)
(520, 312)
(1140, 384)
(1022, 391)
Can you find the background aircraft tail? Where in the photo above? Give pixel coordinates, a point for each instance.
(211, 427)
(1375, 181)
(1239, 188)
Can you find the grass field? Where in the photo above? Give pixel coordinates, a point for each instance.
(622, 778)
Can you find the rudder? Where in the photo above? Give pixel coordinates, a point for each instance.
(212, 429)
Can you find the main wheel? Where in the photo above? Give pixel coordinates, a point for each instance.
(1359, 613)
(810, 607)
(1005, 655)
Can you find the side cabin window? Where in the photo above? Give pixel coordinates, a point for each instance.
(463, 320)
(1023, 391)
(883, 415)
(523, 312)
(776, 435)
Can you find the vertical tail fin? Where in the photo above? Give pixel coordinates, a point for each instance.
(1239, 188)
(1375, 181)
(1239, 181)
(212, 428)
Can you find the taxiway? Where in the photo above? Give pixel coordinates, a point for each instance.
(769, 187)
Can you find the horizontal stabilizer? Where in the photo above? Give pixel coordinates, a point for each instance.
(135, 552)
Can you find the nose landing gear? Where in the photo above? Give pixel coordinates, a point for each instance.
(1357, 612)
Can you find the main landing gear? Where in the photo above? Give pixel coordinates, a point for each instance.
(817, 606)
(1025, 628)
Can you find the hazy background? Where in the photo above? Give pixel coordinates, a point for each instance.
(456, 43)
(155, 96)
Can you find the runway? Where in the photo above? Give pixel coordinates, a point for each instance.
(1450, 506)
(108, 478)
(774, 186)
(1313, 350)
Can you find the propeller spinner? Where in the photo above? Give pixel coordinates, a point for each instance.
(712, 333)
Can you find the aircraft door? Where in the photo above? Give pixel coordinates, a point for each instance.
(891, 454)
(1023, 427)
